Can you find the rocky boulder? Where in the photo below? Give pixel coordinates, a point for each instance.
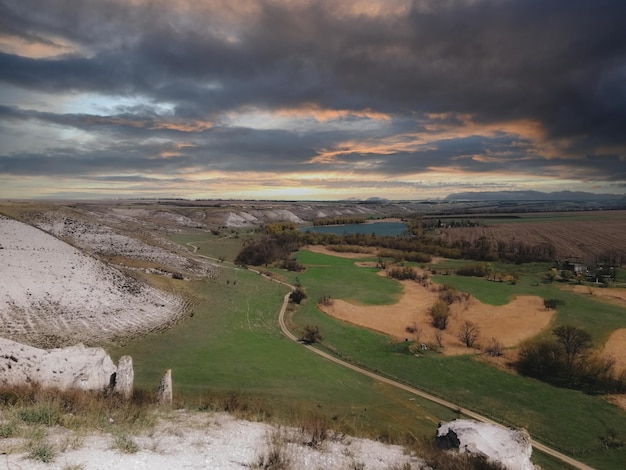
(74, 367)
(509, 447)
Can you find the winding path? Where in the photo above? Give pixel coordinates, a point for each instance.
(537, 445)
(471, 414)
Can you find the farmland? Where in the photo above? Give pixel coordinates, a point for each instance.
(229, 344)
(573, 235)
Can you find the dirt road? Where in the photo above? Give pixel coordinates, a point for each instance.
(537, 445)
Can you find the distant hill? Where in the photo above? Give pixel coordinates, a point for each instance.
(532, 196)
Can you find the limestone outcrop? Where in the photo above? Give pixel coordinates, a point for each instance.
(73, 367)
(510, 447)
(165, 392)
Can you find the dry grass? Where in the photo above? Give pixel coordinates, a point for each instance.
(75, 410)
(520, 319)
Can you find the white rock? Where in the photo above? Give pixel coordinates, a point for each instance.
(63, 368)
(512, 448)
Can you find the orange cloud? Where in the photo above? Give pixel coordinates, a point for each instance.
(35, 49)
(324, 114)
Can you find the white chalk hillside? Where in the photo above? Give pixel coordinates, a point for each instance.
(51, 293)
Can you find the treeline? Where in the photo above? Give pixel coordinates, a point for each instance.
(422, 245)
(269, 249)
(282, 239)
(278, 227)
(339, 221)
(516, 251)
(567, 360)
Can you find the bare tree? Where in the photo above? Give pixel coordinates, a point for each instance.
(468, 334)
(439, 337)
(575, 342)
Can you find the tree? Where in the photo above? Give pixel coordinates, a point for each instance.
(311, 334)
(468, 334)
(297, 295)
(575, 343)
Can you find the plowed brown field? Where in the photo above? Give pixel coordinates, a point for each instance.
(573, 239)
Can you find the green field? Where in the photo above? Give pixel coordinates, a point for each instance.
(233, 344)
(567, 420)
(224, 246)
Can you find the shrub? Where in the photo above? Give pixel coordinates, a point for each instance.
(440, 313)
(403, 273)
(297, 295)
(291, 264)
(41, 451)
(315, 430)
(325, 301)
(450, 295)
(276, 457)
(311, 334)
(494, 348)
(475, 270)
(552, 303)
(124, 443)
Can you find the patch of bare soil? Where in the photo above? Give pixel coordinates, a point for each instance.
(614, 295)
(325, 251)
(522, 318)
(615, 347)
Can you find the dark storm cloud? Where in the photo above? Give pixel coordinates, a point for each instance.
(561, 64)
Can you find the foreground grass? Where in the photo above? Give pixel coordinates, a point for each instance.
(233, 347)
(78, 416)
(570, 421)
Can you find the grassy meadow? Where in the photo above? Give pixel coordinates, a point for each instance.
(567, 420)
(232, 345)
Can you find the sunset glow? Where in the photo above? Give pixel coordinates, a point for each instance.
(310, 99)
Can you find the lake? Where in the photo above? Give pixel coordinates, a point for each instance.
(390, 229)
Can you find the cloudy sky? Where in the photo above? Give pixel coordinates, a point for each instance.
(319, 99)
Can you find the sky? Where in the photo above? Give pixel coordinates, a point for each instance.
(317, 100)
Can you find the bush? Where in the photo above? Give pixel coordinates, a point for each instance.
(552, 303)
(325, 301)
(311, 334)
(494, 348)
(475, 270)
(41, 451)
(403, 273)
(440, 313)
(124, 443)
(290, 264)
(297, 295)
(566, 361)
